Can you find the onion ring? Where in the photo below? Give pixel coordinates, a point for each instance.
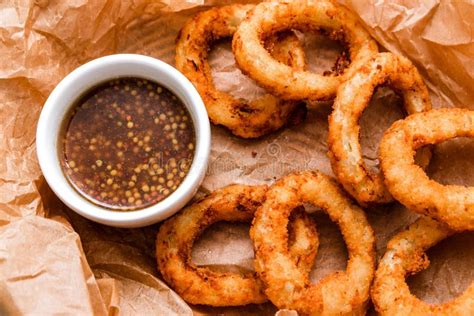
(293, 84)
(406, 255)
(409, 184)
(287, 286)
(200, 285)
(244, 119)
(352, 98)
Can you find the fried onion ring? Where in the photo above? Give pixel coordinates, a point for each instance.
(406, 255)
(409, 184)
(244, 119)
(200, 285)
(352, 98)
(295, 84)
(287, 286)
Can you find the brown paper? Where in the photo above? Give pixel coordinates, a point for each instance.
(436, 35)
(54, 261)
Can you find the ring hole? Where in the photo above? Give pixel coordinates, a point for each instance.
(449, 273)
(452, 162)
(385, 107)
(332, 252)
(227, 77)
(225, 247)
(323, 54)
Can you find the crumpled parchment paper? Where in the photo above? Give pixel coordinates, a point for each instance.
(54, 261)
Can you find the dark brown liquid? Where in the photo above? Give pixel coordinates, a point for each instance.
(129, 144)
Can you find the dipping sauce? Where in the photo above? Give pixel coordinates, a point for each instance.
(128, 144)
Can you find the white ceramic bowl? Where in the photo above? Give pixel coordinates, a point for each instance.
(89, 75)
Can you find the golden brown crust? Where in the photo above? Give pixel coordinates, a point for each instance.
(341, 293)
(409, 184)
(200, 285)
(244, 119)
(352, 98)
(271, 17)
(406, 255)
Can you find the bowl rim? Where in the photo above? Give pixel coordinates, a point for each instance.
(91, 74)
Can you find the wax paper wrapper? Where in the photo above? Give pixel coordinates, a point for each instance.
(53, 261)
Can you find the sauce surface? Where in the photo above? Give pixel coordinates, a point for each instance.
(128, 144)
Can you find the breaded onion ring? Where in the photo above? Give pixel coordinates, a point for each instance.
(244, 119)
(352, 98)
(200, 285)
(406, 255)
(295, 84)
(287, 286)
(409, 184)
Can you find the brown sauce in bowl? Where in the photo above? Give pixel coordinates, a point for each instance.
(128, 144)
